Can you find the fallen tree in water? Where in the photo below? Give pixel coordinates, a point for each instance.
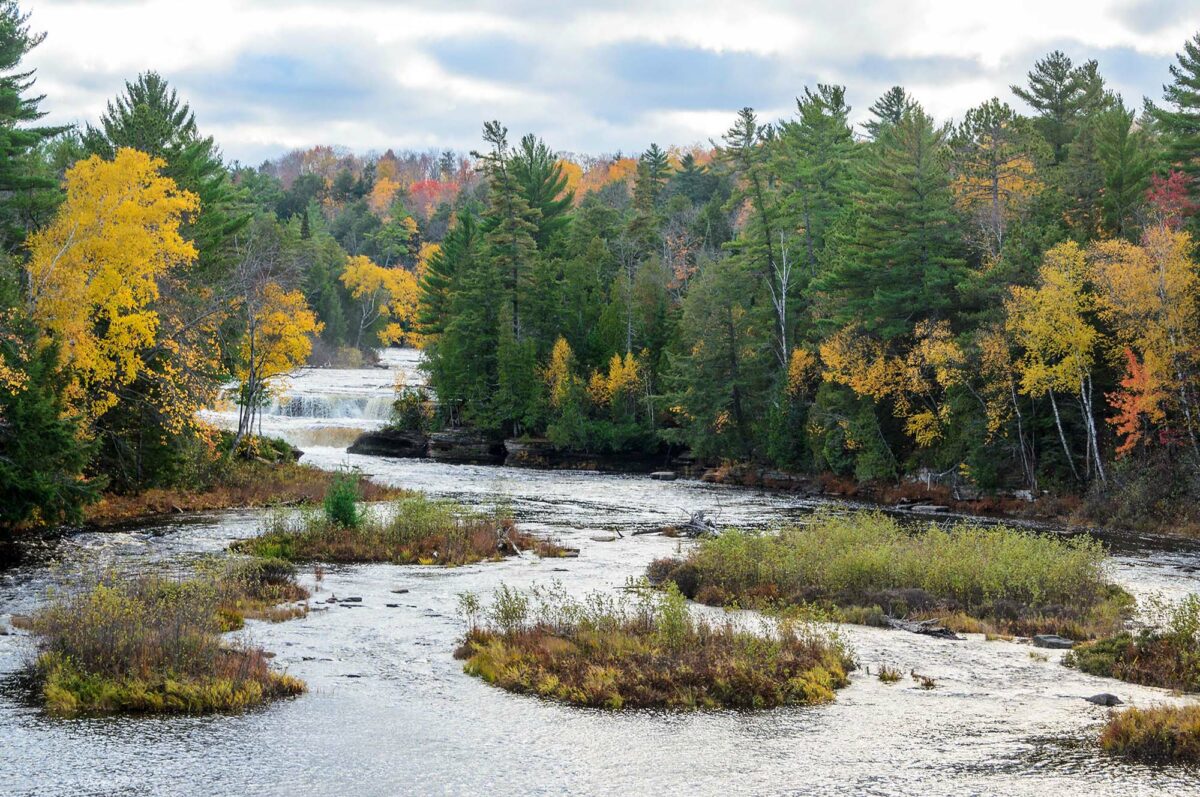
(866, 568)
(646, 650)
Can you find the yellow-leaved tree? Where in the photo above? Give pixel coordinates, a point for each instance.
(1149, 295)
(94, 271)
(277, 340)
(1049, 321)
(382, 294)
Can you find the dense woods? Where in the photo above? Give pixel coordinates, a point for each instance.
(1008, 300)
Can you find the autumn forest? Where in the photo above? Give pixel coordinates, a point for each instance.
(1008, 302)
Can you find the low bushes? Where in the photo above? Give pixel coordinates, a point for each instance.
(153, 644)
(1162, 734)
(1166, 655)
(645, 651)
(410, 530)
(865, 565)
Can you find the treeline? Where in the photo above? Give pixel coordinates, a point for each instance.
(1009, 300)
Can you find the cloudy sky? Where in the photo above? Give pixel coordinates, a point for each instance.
(265, 76)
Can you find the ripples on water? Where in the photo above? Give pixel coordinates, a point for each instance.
(410, 722)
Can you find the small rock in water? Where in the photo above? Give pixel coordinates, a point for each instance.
(352, 600)
(664, 475)
(392, 605)
(1105, 699)
(1053, 641)
(399, 591)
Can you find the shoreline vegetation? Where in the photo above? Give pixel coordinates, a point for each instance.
(865, 567)
(1166, 654)
(412, 529)
(1155, 735)
(263, 473)
(646, 649)
(154, 644)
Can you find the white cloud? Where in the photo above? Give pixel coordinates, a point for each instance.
(371, 74)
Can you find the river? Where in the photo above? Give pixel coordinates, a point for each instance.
(390, 712)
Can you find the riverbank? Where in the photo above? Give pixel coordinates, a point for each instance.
(244, 484)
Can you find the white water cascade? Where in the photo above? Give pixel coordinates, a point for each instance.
(331, 407)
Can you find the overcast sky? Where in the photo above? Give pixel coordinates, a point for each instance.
(265, 76)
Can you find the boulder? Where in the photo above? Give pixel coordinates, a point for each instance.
(1053, 641)
(391, 443)
(465, 445)
(1105, 699)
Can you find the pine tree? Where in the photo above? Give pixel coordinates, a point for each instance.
(543, 185)
(1059, 92)
(888, 110)
(149, 116)
(897, 257)
(1125, 159)
(1179, 125)
(816, 162)
(23, 183)
(510, 223)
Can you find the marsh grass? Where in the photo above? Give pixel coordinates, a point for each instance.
(153, 644)
(1166, 654)
(864, 567)
(410, 530)
(646, 649)
(889, 675)
(1162, 734)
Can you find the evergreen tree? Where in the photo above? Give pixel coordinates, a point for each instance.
(543, 185)
(888, 110)
(42, 453)
(1126, 161)
(151, 117)
(25, 186)
(510, 223)
(897, 258)
(1179, 124)
(1059, 91)
(816, 164)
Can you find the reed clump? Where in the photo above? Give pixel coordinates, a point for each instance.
(865, 567)
(1164, 654)
(153, 644)
(646, 650)
(1161, 734)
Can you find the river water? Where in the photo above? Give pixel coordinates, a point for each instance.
(389, 711)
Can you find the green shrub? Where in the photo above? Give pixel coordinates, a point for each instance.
(341, 501)
(1166, 655)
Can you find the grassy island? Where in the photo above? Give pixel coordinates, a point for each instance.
(864, 567)
(1166, 654)
(153, 643)
(644, 651)
(1162, 734)
(409, 530)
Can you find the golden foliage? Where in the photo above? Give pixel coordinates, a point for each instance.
(94, 271)
(385, 292)
(281, 337)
